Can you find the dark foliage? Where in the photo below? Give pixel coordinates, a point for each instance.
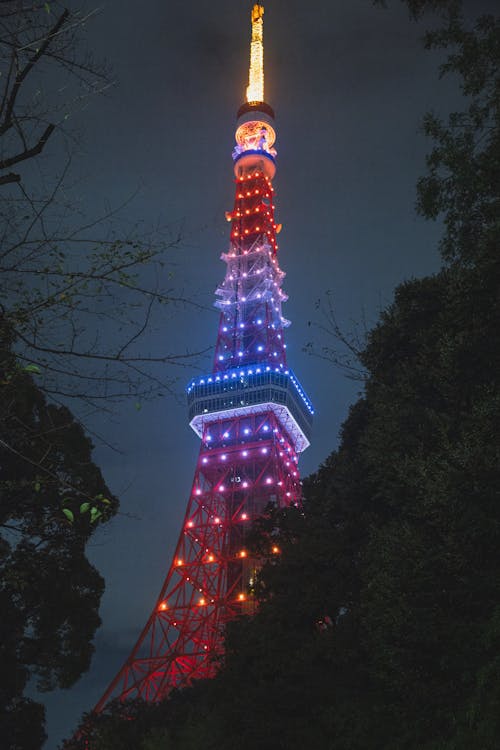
(49, 592)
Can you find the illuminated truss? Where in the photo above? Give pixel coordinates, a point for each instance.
(253, 418)
(244, 464)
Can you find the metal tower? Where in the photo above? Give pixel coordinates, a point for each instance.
(253, 419)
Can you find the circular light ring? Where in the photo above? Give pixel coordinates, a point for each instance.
(250, 131)
(255, 107)
(250, 159)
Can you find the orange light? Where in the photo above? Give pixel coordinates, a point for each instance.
(190, 524)
(276, 550)
(243, 553)
(202, 602)
(163, 606)
(178, 562)
(211, 558)
(241, 597)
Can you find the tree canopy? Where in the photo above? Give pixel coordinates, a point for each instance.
(52, 497)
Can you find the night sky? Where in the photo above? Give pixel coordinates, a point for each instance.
(349, 84)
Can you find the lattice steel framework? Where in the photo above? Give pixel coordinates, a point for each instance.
(253, 418)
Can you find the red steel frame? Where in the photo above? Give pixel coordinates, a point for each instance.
(246, 460)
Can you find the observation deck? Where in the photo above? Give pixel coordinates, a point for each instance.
(252, 390)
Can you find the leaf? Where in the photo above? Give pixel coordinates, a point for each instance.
(84, 507)
(138, 406)
(32, 368)
(37, 486)
(106, 501)
(47, 8)
(94, 515)
(69, 515)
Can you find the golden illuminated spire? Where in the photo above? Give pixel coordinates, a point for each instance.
(255, 88)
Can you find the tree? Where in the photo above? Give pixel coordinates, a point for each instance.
(79, 297)
(52, 497)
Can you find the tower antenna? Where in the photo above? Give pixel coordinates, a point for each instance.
(255, 88)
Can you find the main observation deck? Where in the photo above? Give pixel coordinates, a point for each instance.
(252, 390)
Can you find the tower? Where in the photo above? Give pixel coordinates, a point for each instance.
(253, 419)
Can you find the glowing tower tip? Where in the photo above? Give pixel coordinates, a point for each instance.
(255, 88)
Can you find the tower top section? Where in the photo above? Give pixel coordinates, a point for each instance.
(255, 88)
(255, 134)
